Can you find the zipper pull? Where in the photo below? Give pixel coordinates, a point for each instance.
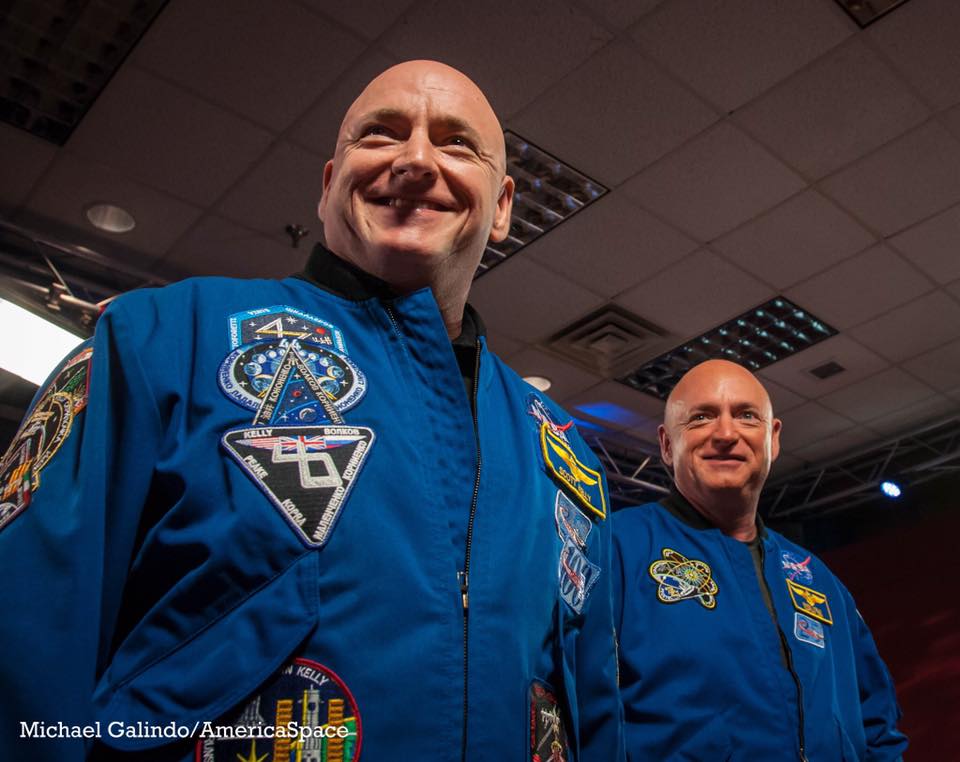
(464, 583)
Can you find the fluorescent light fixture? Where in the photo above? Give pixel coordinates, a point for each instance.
(757, 338)
(110, 218)
(30, 346)
(547, 193)
(541, 383)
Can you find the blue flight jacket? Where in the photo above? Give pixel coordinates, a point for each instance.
(702, 674)
(185, 553)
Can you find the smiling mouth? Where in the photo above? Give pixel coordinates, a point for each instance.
(725, 458)
(410, 204)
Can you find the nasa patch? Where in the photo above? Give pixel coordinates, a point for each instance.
(306, 471)
(538, 409)
(282, 323)
(796, 568)
(572, 524)
(247, 373)
(808, 630)
(305, 713)
(577, 576)
(548, 736)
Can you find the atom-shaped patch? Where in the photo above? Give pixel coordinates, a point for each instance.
(679, 578)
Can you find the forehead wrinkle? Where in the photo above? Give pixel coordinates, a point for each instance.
(715, 374)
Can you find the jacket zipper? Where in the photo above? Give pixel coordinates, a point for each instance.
(789, 654)
(463, 577)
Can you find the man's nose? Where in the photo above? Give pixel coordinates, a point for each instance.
(417, 158)
(724, 429)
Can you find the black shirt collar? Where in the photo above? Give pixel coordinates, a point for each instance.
(680, 508)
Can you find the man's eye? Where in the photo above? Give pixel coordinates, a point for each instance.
(460, 140)
(376, 130)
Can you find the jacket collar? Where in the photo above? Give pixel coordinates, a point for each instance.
(327, 271)
(680, 508)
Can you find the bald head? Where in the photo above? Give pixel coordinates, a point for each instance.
(720, 438)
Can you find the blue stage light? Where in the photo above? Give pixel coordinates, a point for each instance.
(891, 489)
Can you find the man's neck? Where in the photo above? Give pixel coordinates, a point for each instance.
(734, 516)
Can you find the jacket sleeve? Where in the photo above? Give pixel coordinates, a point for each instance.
(600, 711)
(83, 462)
(878, 700)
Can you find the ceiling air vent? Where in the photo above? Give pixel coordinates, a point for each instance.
(827, 370)
(865, 12)
(607, 341)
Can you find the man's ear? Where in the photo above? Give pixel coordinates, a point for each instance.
(501, 217)
(775, 439)
(327, 177)
(666, 446)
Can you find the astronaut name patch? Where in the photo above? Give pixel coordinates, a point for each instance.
(304, 712)
(580, 482)
(548, 736)
(280, 322)
(808, 630)
(808, 601)
(577, 576)
(680, 578)
(306, 471)
(572, 524)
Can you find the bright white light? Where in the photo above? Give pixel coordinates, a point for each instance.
(30, 346)
(541, 383)
(891, 489)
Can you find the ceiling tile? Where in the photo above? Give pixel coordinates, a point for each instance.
(368, 18)
(284, 188)
(696, 294)
(921, 40)
(525, 301)
(24, 159)
(905, 181)
(881, 394)
(926, 322)
(621, 13)
(219, 247)
(954, 288)
(934, 245)
(574, 119)
(952, 119)
(318, 128)
(781, 398)
(616, 406)
(939, 367)
(72, 184)
(840, 108)
(713, 183)
(793, 372)
(860, 288)
(503, 346)
(732, 50)
(563, 38)
(842, 444)
(802, 236)
(566, 379)
(163, 136)
(916, 415)
(808, 424)
(260, 59)
(610, 246)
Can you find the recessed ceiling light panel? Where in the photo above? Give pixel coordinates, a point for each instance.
(757, 338)
(110, 218)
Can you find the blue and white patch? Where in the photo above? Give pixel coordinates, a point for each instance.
(306, 471)
(577, 576)
(808, 630)
(248, 371)
(796, 568)
(572, 523)
(295, 396)
(304, 712)
(282, 323)
(538, 409)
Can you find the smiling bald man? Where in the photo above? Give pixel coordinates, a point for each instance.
(312, 518)
(735, 643)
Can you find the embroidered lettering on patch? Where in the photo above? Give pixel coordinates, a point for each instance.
(796, 568)
(572, 524)
(680, 578)
(306, 471)
(810, 602)
(548, 736)
(281, 323)
(581, 482)
(295, 396)
(808, 630)
(307, 711)
(41, 435)
(538, 409)
(577, 576)
(247, 373)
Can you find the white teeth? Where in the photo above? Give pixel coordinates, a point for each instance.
(407, 203)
